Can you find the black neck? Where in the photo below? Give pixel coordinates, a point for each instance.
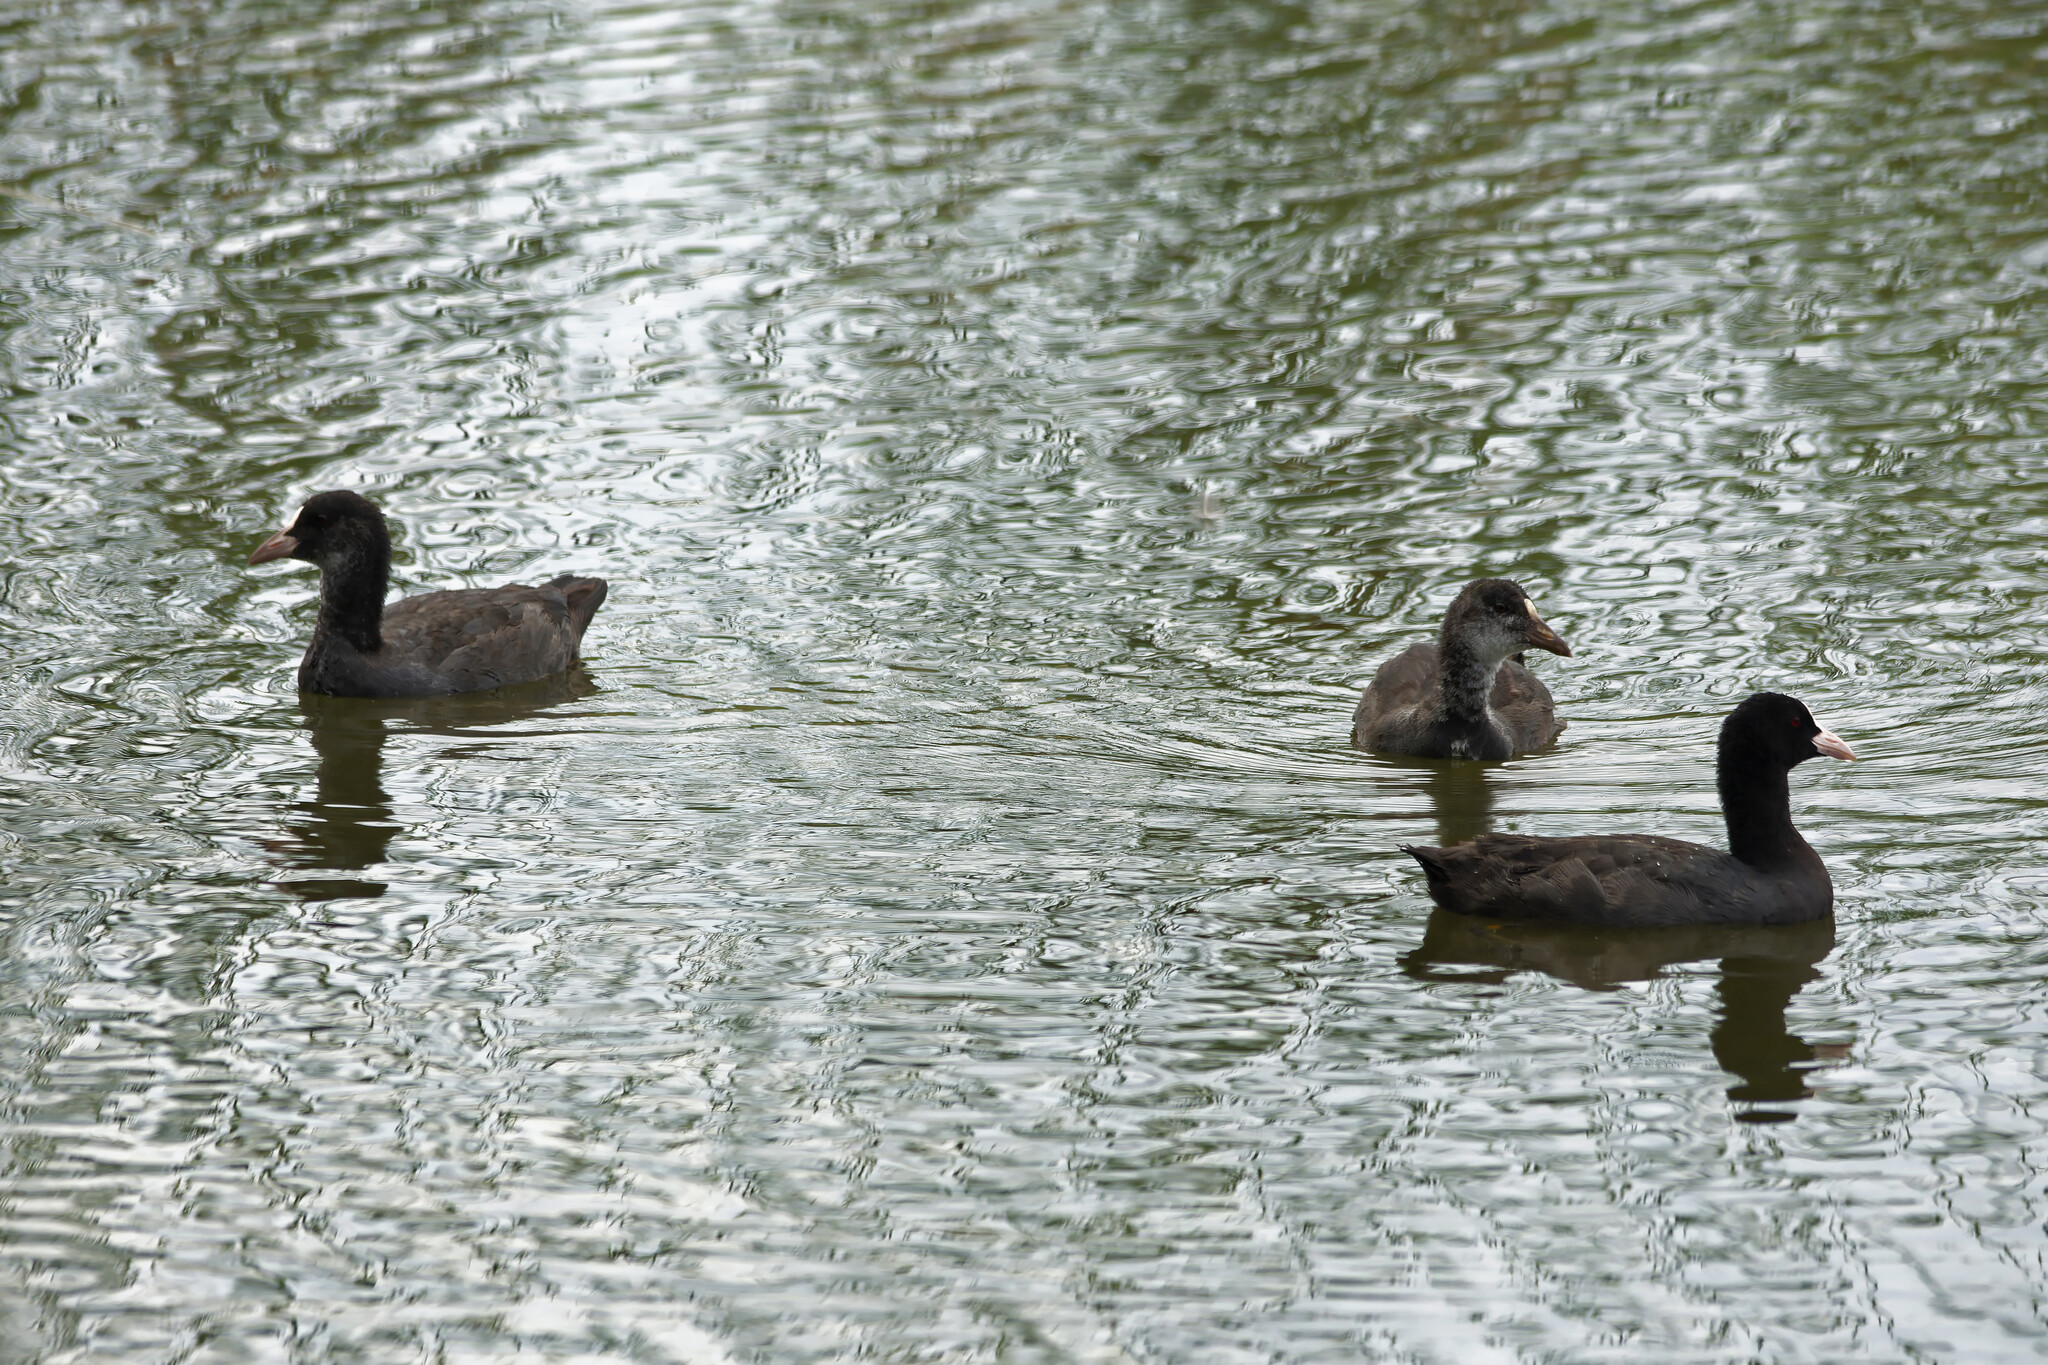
(352, 589)
(1465, 685)
(1756, 801)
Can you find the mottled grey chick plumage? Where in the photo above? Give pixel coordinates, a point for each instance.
(1467, 695)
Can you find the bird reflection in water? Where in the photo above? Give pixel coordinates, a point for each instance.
(1762, 966)
(1462, 797)
(348, 825)
(1460, 792)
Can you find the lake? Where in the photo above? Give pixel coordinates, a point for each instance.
(943, 920)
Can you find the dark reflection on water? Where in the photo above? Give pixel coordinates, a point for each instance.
(1761, 969)
(348, 825)
(1461, 794)
(1459, 797)
(1750, 1038)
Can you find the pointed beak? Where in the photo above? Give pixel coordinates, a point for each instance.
(277, 547)
(1543, 637)
(1828, 744)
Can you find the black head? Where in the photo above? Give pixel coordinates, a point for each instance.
(332, 529)
(1778, 730)
(1494, 617)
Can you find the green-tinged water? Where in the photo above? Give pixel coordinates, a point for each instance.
(944, 922)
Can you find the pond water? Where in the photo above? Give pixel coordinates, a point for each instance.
(944, 920)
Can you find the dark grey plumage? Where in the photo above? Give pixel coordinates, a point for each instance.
(1769, 875)
(430, 645)
(1467, 695)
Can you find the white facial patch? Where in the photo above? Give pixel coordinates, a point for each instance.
(1530, 606)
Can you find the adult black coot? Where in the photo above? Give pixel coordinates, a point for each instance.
(425, 646)
(1467, 695)
(1768, 876)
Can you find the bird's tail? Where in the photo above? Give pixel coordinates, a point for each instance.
(1432, 862)
(584, 596)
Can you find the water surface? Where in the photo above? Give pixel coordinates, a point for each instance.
(944, 921)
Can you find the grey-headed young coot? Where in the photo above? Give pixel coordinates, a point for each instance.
(439, 642)
(1769, 875)
(1467, 695)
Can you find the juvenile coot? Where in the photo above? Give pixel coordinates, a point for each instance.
(1769, 875)
(1467, 695)
(425, 646)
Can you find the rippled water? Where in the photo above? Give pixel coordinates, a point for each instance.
(945, 922)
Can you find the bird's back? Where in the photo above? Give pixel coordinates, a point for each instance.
(1525, 707)
(1398, 712)
(1404, 686)
(464, 640)
(1621, 879)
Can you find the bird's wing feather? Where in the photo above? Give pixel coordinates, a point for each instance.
(1402, 682)
(1524, 705)
(482, 637)
(1639, 878)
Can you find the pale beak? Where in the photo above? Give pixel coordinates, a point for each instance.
(277, 547)
(1543, 637)
(1829, 744)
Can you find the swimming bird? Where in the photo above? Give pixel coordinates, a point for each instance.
(1467, 695)
(436, 643)
(1769, 875)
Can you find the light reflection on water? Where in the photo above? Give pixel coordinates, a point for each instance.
(946, 923)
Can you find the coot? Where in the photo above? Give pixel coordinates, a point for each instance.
(1467, 695)
(425, 646)
(1769, 875)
